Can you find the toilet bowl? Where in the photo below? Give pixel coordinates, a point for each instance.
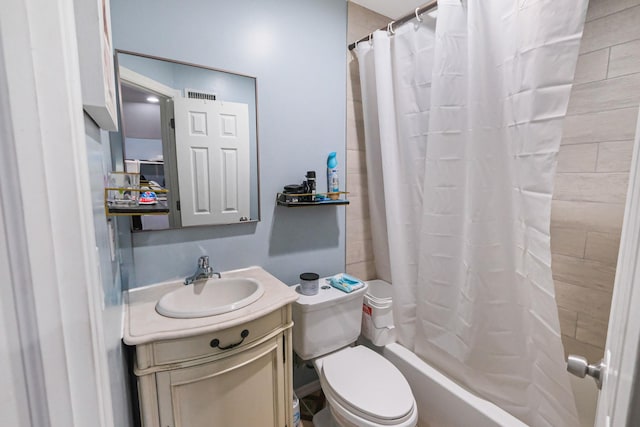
(362, 388)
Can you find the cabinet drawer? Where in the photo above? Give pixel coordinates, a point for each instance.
(178, 350)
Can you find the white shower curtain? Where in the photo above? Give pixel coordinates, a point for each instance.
(463, 121)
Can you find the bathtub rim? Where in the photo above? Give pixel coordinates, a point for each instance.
(452, 392)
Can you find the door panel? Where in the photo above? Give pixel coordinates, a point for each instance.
(200, 180)
(230, 180)
(212, 151)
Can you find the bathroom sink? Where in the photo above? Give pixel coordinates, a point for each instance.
(210, 297)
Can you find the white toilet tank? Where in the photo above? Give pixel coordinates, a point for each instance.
(327, 321)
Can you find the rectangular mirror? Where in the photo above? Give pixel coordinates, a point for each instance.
(191, 130)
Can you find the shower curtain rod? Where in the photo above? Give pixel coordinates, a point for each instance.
(419, 11)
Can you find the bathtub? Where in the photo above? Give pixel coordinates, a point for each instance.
(441, 402)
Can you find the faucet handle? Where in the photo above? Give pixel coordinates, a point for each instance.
(203, 262)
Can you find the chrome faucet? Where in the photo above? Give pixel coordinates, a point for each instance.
(204, 271)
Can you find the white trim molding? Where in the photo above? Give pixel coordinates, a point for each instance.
(144, 82)
(617, 401)
(47, 216)
(15, 392)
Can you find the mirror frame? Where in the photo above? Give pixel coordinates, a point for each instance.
(121, 131)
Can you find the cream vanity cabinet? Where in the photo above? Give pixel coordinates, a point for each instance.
(238, 376)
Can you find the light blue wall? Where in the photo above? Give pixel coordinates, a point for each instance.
(99, 163)
(143, 149)
(297, 51)
(227, 86)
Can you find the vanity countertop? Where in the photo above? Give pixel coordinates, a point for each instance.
(143, 324)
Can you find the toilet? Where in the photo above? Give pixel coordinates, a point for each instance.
(362, 388)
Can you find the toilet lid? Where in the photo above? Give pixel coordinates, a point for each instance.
(368, 383)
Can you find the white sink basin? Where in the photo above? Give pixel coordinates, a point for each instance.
(208, 298)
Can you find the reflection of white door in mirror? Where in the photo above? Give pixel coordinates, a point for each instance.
(143, 80)
(212, 150)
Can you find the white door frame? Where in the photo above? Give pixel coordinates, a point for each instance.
(136, 79)
(13, 385)
(621, 372)
(130, 77)
(47, 220)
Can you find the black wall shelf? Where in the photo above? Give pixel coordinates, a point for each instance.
(160, 208)
(281, 200)
(111, 208)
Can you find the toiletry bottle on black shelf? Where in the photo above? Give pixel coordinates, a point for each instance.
(333, 185)
(311, 184)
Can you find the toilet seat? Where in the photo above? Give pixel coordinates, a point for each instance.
(365, 389)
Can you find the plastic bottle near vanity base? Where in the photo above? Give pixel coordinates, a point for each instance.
(333, 185)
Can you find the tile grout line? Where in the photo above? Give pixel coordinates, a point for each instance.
(623, 75)
(608, 62)
(609, 46)
(610, 14)
(602, 111)
(580, 85)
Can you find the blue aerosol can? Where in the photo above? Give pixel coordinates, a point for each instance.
(333, 183)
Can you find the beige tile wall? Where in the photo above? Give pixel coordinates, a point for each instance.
(593, 170)
(592, 174)
(359, 250)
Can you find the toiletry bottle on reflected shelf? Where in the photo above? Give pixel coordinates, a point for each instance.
(310, 185)
(333, 185)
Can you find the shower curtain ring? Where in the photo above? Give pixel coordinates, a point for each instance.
(370, 35)
(418, 16)
(390, 28)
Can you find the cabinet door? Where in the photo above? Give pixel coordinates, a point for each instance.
(243, 390)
